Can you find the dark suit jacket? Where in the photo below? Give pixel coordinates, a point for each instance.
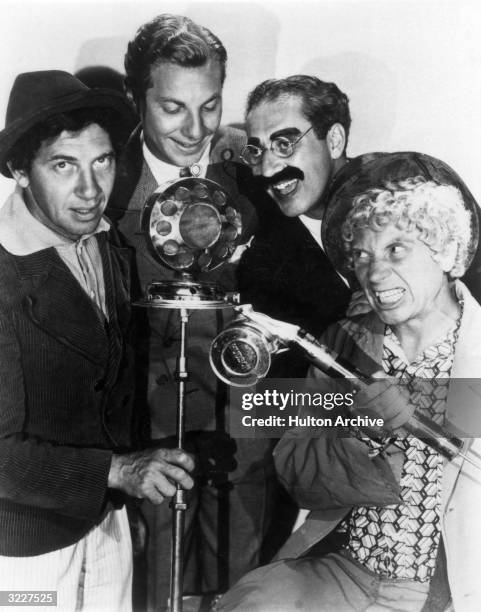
(158, 342)
(286, 275)
(65, 389)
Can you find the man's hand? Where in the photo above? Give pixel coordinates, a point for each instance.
(384, 398)
(358, 304)
(151, 474)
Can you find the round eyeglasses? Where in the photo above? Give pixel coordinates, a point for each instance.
(281, 146)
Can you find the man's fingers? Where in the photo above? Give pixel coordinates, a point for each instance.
(152, 474)
(387, 399)
(175, 456)
(176, 474)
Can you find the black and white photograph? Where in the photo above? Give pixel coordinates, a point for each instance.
(240, 306)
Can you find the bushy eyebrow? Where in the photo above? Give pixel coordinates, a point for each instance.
(72, 158)
(290, 131)
(286, 132)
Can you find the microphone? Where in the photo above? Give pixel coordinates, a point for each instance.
(241, 355)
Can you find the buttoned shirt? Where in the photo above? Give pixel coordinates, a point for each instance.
(401, 541)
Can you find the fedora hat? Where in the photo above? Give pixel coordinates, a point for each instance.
(375, 170)
(36, 96)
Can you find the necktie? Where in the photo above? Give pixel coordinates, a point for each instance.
(185, 172)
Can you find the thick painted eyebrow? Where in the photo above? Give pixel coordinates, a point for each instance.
(290, 131)
(287, 132)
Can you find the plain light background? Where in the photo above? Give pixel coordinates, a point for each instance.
(410, 68)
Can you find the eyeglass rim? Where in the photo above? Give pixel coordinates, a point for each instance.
(264, 149)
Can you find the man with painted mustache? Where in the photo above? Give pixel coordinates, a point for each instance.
(297, 131)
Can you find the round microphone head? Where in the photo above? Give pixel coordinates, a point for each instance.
(191, 225)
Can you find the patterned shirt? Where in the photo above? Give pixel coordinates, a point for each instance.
(401, 541)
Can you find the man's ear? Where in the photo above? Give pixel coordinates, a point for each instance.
(20, 176)
(336, 140)
(129, 94)
(447, 259)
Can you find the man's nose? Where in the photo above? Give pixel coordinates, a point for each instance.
(271, 164)
(378, 270)
(194, 127)
(87, 185)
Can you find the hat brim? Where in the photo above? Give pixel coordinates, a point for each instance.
(90, 98)
(374, 170)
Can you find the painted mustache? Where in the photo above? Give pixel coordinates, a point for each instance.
(286, 174)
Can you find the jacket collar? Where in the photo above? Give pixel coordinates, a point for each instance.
(22, 234)
(53, 299)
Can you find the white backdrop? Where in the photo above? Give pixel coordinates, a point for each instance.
(410, 69)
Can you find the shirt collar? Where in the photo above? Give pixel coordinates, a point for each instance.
(314, 227)
(164, 172)
(22, 234)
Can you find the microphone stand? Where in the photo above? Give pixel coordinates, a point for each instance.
(191, 226)
(182, 295)
(179, 502)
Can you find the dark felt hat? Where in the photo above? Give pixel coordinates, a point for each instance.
(375, 170)
(36, 96)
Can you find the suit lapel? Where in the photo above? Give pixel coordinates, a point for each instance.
(117, 264)
(55, 302)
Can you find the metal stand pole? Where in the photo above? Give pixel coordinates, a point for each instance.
(179, 503)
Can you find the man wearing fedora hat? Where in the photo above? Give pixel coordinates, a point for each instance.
(67, 429)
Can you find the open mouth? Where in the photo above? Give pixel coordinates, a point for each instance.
(86, 213)
(389, 297)
(188, 147)
(285, 188)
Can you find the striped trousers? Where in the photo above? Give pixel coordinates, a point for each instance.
(95, 573)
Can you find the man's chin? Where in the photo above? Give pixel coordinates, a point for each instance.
(289, 207)
(289, 212)
(182, 157)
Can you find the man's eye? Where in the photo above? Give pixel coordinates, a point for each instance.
(62, 166)
(359, 256)
(105, 161)
(397, 250)
(282, 145)
(171, 109)
(211, 106)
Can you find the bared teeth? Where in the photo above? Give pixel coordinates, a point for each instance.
(390, 296)
(285, 187)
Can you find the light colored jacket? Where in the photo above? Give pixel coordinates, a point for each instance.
(318, 471)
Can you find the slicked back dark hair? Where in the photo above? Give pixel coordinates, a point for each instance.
(171, 39)
(323, 104)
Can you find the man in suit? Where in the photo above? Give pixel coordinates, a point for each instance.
(175, 74)
(66, 424)
(297, 135)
